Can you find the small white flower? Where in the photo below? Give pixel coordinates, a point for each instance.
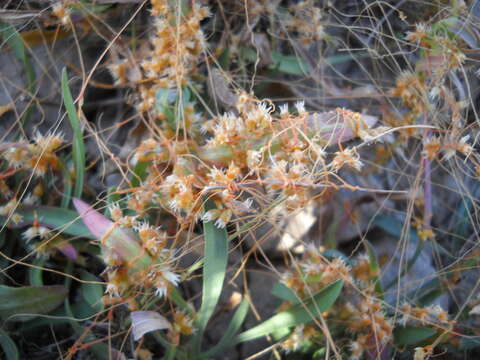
(171, 277)
(112, 290)
(284, 109)
(300, 106)
(30, 234)
(43, 232)
(17, 218)
(220, 223)
(161, 292)
(30, 199)
(210, 215)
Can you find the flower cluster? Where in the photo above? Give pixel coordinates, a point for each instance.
(37, 157)
(136, 254)
(361, 311)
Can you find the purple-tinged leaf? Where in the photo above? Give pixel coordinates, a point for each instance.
(68, 250)
(98, 224)
(122, 241)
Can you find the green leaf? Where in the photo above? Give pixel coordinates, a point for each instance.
(289, 64)
(393, 226)
(214, 268)
(374, 268)
(30, 300)
(139, 173)
(67, 185)
(470, 343)
(297, 314)
(9, 347)
(92, 293)
(35, 273)
(228, 338)
(78, 145)
(283, 292)
(411, 335)
(62, 220)
(100, 350)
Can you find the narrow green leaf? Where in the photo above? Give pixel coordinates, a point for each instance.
(139, 173)
(35, 273)
(30, 299)
(179, 301)
(283, 292)
(78, 145)
(228, 338)
(9, 347)
(92, 293)
(297, 314)
(470, 343)
(63, 220)
(411, 335)
(374, 268)
(67, 185)
(214, 268)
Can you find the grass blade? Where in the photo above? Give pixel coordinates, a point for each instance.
(228, 338)
(374, 268)
(78, 145)
(297, 314)
(214, 268)
(9, 347)
(63, 220)
(411, 335)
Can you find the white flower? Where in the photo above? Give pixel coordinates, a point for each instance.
(284, 109)
(17, 218)
(112, 290)
(210, 215)
(253, 158)
(8, 207)
(30, 233)
(30, 199)
(174, 279)
(220, 223)
(300, 106)
(161, 291)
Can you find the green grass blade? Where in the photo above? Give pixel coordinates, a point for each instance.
(283, 292)
(139, 173)
(9, 347)
(411, 335)
(374, 268)
(63, 220)
(228, 338)
(78, 145)
(214, 268)
(35, 274)
(297, 314)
